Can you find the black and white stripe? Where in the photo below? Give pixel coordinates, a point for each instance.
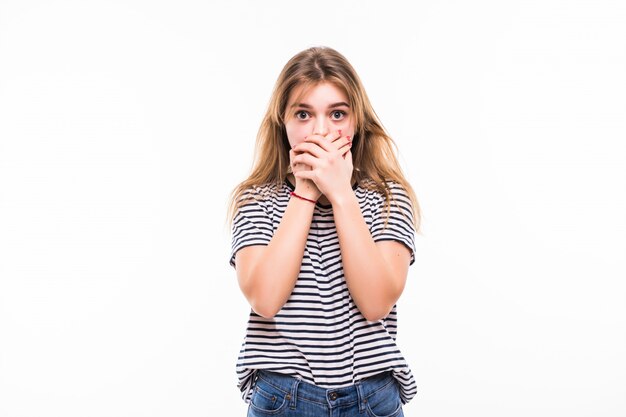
(319, 335)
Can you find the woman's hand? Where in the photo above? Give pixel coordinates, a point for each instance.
(304, 187)
(330, 162)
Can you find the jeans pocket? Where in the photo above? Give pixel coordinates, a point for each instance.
(385, 402)
(267, 400)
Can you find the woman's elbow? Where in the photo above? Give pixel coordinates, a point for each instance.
(263, 302)
(375, 313)
(377, 308)
(265, 310)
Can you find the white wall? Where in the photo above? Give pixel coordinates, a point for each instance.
(125, 124)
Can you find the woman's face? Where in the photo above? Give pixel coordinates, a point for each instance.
(322, 110)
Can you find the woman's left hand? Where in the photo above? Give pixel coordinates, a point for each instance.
(331, 162)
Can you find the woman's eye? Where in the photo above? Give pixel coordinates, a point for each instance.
(338, 114)
(301, 113)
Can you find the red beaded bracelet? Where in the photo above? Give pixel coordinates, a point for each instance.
(303, 198)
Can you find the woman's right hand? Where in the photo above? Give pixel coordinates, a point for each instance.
(304, 188)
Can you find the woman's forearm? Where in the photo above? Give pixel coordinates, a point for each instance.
(370, 279)
(271, 275)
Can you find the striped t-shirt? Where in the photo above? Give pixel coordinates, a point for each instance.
(319, 335)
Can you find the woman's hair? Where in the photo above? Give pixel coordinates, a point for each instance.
(373, 151)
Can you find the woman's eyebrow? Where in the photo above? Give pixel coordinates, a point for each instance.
(333, 105)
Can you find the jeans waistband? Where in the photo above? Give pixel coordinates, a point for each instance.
(295, 389)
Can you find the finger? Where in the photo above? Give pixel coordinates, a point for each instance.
(334, 137)
(291, 156)
(315, 135)
(344, 144)
(320, 141)
(301, 167)
(341, 142)
(307, 175)
(306, 158)
(308, 147)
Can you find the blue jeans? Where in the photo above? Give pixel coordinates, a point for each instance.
(285, 396)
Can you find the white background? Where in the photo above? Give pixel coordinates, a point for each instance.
(124, 125)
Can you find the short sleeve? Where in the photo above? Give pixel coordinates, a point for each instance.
(400, 226)
(252, 225)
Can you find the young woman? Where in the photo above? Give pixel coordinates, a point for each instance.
(323, 236)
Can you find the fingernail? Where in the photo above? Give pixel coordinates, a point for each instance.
(339, 132)
(348, 137)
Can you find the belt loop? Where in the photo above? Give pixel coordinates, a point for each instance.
(360, 396)
(294, 393)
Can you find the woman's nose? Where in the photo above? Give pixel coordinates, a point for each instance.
(321, 127)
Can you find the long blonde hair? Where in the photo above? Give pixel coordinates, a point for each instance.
(373, 151)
